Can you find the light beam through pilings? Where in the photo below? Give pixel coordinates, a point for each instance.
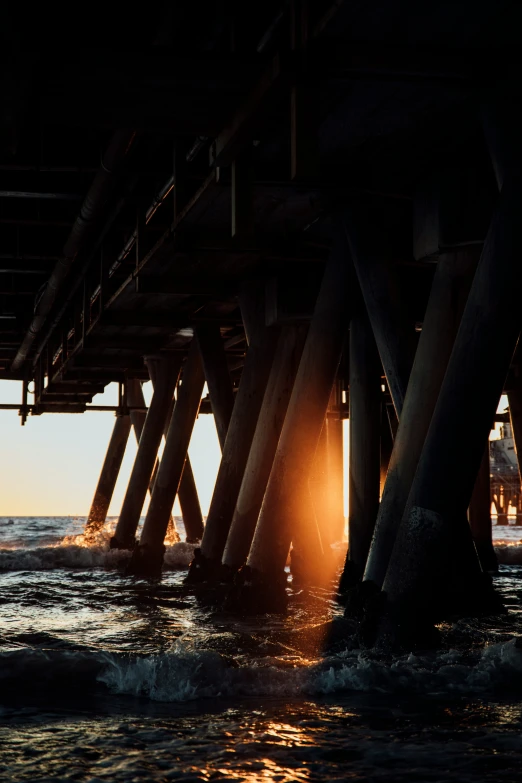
(275, 402)
(258, 363)
(286, 503)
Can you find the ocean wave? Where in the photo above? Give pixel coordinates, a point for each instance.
(181, 675)
(80, 556)
(508, 552)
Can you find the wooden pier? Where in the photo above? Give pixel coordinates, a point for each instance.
(314, 207)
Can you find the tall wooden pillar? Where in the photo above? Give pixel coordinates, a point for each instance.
(448, 466)
(108, 476)
(365, 431)
(264, 444)
(243, 421)
(285, 506)
(148, 556)
(479, 514)
(135, 397)
(190, 505)
(187, 494)
(448, 296)
(167, 371)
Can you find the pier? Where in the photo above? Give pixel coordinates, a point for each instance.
(313, 209)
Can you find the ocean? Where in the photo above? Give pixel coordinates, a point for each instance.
(104, 677)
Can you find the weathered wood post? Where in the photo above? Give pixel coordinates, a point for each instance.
(167, 371)
(243, 421)
(479, 514)
(448, 295)
(335, 441)
(286, 502)
(187, 491)
(135, 398)
(448, 466)
(217, 376)
(190, 505)
(275, 402)
(365, 426)
(148, 555)
(108, 476)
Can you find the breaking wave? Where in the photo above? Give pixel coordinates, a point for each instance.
(183, 674)
(78, 556)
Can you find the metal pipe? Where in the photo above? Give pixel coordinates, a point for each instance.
(41, 196)
(91, 208)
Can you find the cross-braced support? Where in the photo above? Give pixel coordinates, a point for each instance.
(243, 421)
(167, 371)
(148, 556)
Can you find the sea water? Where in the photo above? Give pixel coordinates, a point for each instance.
(104, 677)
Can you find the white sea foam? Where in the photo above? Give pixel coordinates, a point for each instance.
(80, 556)
(184, 675)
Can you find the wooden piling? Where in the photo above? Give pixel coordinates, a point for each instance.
(334, 529)
(148, 556)
(285, 505)
(108, 476)
(187, 492)
(449, 292)
(275, 402)
(365, 426)
(479, 515)
(468, 398)
(135, 398)
(243, 421)
(167, 371)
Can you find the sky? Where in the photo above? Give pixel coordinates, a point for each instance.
(50, 467)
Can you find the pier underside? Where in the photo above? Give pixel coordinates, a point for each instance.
(313, 208)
